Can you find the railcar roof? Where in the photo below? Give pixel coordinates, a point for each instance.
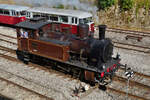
(63, 12)
(13, 7)
(28, 24)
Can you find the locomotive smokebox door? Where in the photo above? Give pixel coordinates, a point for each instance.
(102, 29)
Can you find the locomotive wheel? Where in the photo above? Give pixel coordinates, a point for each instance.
(22, 56)
(19, 55)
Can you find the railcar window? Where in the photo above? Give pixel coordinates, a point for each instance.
(72, 20)
(85, 20)
(76, 20)
(6, 12)
(13, 13)
(23, 13)
(36, 16)
(28, 14)
(54, 18)
(1, 11)
(45, 16)
(64, 19)
(18, 14)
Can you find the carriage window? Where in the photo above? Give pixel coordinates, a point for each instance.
(64, 19)
(85, 20)
(36, 16)
(13, 13)
(1, 11)
(6, 12)
(72, 20)
(76, 21)
(18, 14)
(54, 18)
(45, 16)
(23, 13)
(28, 14)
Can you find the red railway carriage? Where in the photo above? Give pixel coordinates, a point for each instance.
(12, 14)
(69, 19)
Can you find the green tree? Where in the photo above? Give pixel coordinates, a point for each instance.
(103, 4)
(60, 6)
(126, 5)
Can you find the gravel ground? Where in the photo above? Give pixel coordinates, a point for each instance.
(15, 92)
(60, 88)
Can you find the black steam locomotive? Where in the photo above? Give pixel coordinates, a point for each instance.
(81, 55)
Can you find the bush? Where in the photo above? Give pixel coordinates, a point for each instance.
(103, 4)
(60, 6)
(126, 5)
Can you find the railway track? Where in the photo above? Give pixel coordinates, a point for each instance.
(24, 88)
(7, 36)
(132, 47)
(129, 32)
(117, 78)
(134, 88)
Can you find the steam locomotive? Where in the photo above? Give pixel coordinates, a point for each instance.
(82, 55)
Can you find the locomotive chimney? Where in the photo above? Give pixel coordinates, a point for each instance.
(102, 29)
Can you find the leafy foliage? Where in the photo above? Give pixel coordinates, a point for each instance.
(103, 4)
(60, 6)
(126, 5)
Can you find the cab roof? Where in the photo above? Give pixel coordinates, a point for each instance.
(32, 24)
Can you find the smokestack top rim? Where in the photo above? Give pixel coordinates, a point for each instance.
(102, 26)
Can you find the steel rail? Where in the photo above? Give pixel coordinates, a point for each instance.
(124, 93)
(132, 83)
(8, 41)
(26, 89)
(142, 34)
(116, 44)
(8, 36)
